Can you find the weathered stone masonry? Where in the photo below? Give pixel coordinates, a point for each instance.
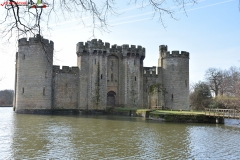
(104, 76)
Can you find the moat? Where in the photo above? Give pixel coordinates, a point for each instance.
(113, 137)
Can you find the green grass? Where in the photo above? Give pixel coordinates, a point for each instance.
(159, 111)
(131, 109)
(178, 112)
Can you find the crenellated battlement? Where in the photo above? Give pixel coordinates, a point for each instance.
(93, 46)
(163, 48)
(168, 54)
(65, 69)
(97, 46)
(34, 40)
(132, 50)
(150, 71)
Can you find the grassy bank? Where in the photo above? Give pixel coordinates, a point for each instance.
(160, 112)
(167, 115)
(180, 116)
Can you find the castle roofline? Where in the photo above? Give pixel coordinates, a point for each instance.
(34, 40)
(177, 54)
(98, 46)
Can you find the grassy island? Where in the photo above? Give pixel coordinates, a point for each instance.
(166, 115)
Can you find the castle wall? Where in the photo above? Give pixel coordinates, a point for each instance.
(152, 87)
(98, 82)
(83, 79)
(113, 77)
(132, 74)
(92, 64)
(103, 77)
(132, 96)
(34, 75)
(176, 79)
(65, 84)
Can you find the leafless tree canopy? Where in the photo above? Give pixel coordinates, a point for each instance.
(224, 82)
(214, 79)
(27, 20)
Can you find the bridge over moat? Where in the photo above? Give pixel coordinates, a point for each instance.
(223, 113)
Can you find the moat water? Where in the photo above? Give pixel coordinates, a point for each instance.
(113, 137)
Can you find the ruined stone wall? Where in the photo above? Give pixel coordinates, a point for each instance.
(152, 87)
(176, 79)
(65, 87)
(34, 75)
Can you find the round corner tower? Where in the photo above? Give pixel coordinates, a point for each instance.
(33, 84)
(175, 76)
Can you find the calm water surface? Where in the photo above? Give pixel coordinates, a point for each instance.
(113, 137)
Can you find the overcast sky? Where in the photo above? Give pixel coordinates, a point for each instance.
(210, 32)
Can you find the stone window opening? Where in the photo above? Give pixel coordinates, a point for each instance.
(95, 61)
(111, 77)
(172, 97)
(23, 56)
(44, 90)
(22, 90)
(135, 78)
(101, 76)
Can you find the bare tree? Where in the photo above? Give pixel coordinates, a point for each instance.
(30, 18)
(225, 81)
(214, 78)
(233, 81)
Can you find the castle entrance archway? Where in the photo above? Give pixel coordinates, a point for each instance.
(111, 98)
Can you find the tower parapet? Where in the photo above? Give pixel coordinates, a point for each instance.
(35, 40)
(97, 46)
(92, 46)
(133, 51)
(183, 54)
(163, 48)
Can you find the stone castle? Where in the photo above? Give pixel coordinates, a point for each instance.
(104, 77)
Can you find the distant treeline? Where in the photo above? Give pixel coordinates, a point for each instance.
(225, 84)
(6, 97)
